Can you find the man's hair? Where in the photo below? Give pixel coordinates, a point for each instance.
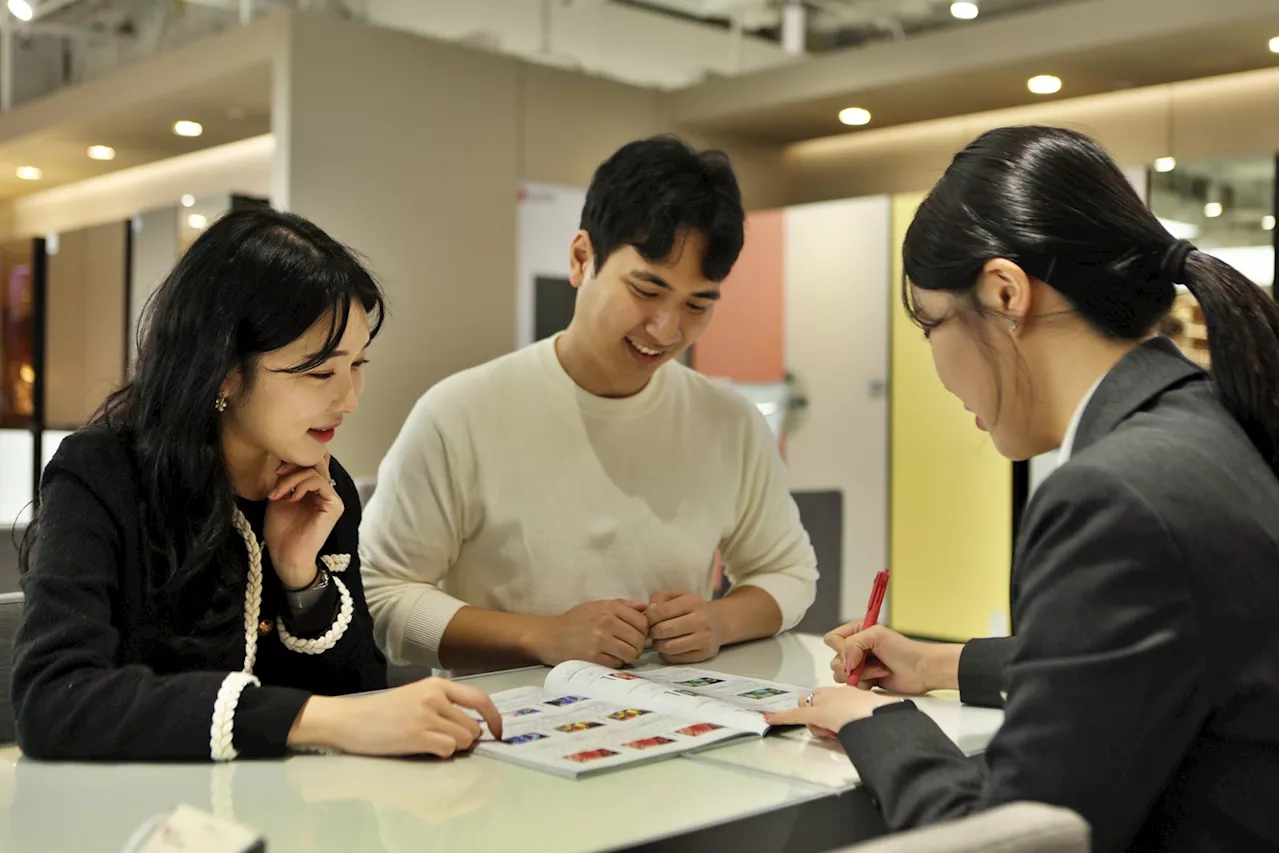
(652, 191)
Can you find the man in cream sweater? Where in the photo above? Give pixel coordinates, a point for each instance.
(567, 501)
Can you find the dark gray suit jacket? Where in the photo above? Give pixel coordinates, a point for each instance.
(1142, 683)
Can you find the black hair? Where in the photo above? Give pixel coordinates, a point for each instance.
(252, 283)
(1052, 201)
(652, 190)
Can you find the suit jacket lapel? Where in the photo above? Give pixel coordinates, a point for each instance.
(1146, 372)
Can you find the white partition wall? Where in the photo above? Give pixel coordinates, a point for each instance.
(547, 217)
(837, 346)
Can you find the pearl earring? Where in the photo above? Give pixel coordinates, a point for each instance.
(221, 403)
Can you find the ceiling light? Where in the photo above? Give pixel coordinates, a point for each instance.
(1044, 84)
(855, 116)
(188, 200)
(21, 9)
(197, 220)
(964, 11)
(29, 173)
(1268, 223)
(1213, 209)
(1165, 164)
(1274, 44)
(102, 152)
(188, 128)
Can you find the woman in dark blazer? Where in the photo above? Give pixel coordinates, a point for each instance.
(192, 576)
(1141, 685)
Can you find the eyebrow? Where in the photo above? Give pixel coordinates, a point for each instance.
(654, 278)
(341, 353)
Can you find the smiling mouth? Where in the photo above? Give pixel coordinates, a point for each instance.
(644, 349)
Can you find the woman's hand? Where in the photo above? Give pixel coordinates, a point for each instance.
(828, 710)
(422, 718)
(894, 662)
(302, 510)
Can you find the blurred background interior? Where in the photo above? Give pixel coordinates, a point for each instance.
(450, 142)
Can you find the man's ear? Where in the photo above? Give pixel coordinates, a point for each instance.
(581, 259)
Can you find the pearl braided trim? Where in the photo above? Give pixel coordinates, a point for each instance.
(222, 729)
(330, 638)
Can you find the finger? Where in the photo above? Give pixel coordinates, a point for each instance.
(629, 615)
(697, 656)
(289, 481)
(681, 645)
(630, 635)
(456, 732)
(690, 623)
(637, 606)
(436, 743)
(673, 608)
(624, 652)
(662, 595)
(842, 633)
(301, 481)
(608, 660)
(456, 715)
(837, 670)
(793, 717)
(477, 700)
(874, 671)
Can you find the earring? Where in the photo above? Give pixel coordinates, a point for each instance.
(1013, 325)
(221, 403)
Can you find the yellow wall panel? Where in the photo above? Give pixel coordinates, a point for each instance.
(951, 494)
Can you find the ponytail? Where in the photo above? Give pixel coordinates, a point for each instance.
(1240, 322)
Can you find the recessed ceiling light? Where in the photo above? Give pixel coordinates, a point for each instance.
(964, 11)
(1165, 164)
(188, 128)
(29, 173)
(1213, 209)
(1044, 84)
(197, 220)
(102, 152)
(21, 9)
(188, 200)
(1274, 44)
(1268, 223)
(855, 116)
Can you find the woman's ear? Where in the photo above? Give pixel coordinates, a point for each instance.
(1004, 287)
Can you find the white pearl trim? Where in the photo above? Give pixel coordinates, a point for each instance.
(222, 729)
(330, 638)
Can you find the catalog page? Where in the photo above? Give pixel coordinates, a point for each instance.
(572, 735)
(701, 694)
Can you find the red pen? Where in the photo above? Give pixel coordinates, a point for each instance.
(878, 588)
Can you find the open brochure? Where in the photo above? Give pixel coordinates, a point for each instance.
(588, 718)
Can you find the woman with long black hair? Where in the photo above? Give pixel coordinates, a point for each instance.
(191, 579)
(1141, 686)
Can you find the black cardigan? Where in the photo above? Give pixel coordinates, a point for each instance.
(1141, 686)
(90, 679)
